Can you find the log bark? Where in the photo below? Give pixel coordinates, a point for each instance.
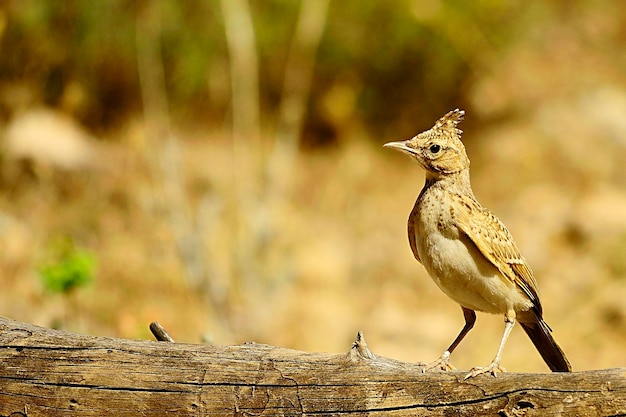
(46, 372)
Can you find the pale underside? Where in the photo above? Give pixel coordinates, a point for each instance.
(462, 273)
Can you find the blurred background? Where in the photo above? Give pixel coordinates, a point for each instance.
(217, 166)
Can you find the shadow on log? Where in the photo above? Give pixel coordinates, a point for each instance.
(55, 373)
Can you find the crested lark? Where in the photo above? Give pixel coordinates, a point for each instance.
(467, 250)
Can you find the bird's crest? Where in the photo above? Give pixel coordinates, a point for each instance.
(450, 121)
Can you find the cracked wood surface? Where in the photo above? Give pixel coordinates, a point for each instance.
(47, 372)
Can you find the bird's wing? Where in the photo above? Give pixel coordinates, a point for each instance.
(496, 244)
(411, 232)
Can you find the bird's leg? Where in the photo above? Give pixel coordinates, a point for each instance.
(494, 367)
(443, 363)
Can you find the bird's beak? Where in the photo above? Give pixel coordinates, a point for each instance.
(400, 146)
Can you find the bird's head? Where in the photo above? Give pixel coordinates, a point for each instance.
(438, 150)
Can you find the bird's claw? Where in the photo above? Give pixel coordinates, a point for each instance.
(441, 364)
(493, 368)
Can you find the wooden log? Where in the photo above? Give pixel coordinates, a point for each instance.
(46, 372)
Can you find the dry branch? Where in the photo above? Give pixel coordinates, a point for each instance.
(49, 372)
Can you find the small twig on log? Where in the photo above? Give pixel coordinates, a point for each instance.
(359, 347)
(160, 334)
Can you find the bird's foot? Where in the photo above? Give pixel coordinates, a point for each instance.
(441, 364)
(493, 368)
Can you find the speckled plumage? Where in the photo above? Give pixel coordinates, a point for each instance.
(466, 249)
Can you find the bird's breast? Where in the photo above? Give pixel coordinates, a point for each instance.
(456, 264)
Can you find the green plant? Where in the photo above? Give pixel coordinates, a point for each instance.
(68, 268)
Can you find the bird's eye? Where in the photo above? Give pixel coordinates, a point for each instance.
(435, 148)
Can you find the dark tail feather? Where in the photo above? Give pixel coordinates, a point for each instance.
(539, 334)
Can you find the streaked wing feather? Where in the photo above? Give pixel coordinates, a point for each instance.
(496, 243)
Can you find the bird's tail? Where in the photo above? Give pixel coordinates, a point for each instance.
(540, 334)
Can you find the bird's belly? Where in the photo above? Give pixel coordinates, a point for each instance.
(465, 275)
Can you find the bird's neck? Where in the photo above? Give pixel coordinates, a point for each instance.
(457, 182)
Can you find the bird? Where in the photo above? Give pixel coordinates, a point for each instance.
(467, 251)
